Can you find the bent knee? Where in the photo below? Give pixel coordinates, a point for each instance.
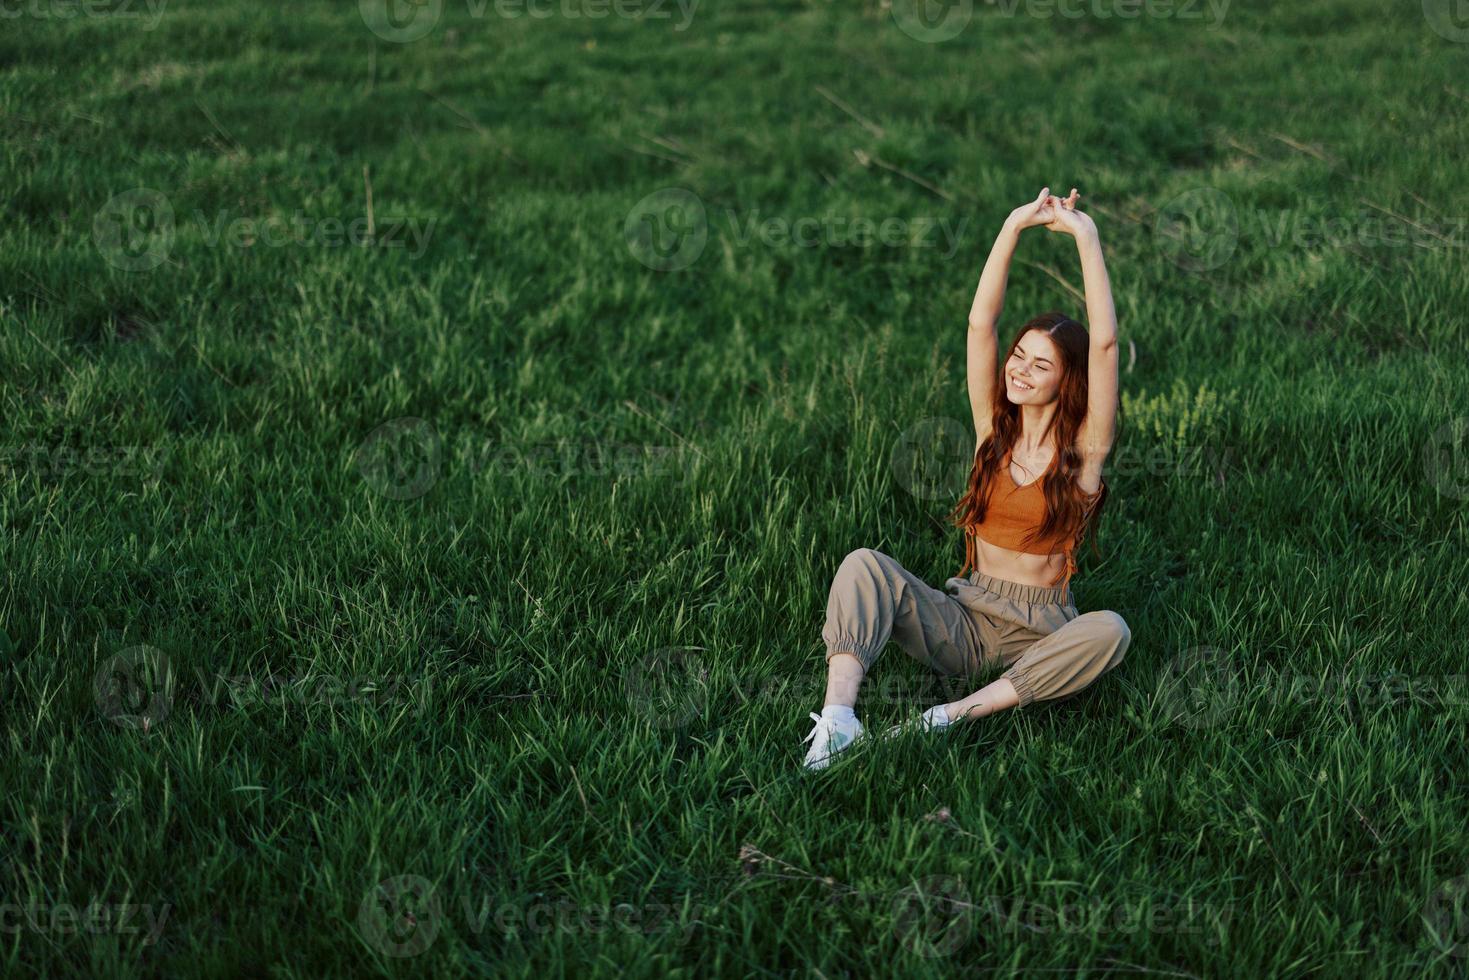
(1112, 630)
(862, 560)
(866, 572)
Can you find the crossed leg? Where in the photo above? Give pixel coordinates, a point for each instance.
(1056, 666)
(874, 599)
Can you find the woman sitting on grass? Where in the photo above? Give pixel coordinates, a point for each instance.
(1034, 489)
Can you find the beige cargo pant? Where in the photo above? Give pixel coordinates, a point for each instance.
(1048, 649)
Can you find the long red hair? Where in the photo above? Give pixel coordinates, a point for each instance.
(1066, 506)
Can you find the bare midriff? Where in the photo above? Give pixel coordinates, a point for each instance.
(1018, 566)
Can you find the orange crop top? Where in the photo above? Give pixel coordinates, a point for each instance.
(1011, 514)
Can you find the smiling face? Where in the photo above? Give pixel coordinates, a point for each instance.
(1033, 371)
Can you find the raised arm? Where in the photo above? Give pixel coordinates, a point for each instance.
(1094, 440)
(984, 313)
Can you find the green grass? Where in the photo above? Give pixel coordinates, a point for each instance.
(558, 662)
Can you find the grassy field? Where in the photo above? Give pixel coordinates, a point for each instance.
(428, 438)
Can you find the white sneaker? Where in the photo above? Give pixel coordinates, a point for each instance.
(935, 719)
(828, 738)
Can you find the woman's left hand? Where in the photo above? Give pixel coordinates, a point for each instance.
(1066, 219)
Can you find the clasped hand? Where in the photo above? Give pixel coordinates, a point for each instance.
(1054, 213)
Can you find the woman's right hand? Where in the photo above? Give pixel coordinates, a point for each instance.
(1032, 213)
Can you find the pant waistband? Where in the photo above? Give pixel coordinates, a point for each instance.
(1038, 595)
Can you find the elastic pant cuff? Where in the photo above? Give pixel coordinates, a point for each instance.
(864, 659)
(1021, 683)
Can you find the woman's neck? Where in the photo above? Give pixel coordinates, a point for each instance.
(1035, 427)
